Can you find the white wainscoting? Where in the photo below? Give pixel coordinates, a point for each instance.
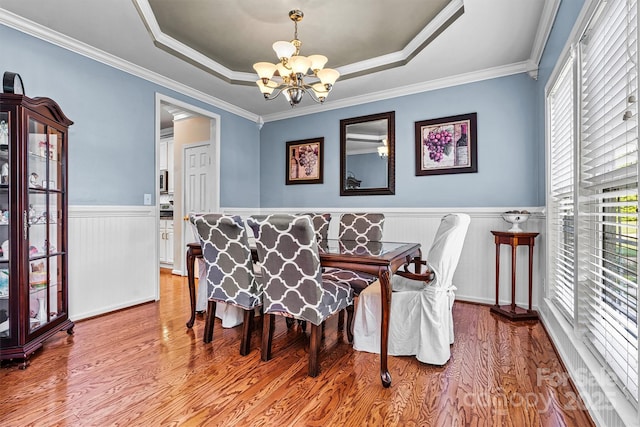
(475, 275)
(113, 258)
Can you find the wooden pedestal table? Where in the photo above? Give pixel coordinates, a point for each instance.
(512, 311)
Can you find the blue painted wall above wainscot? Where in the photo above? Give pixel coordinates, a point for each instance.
(112, 143)
(507, 153)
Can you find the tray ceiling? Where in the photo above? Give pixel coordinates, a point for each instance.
(382, 48)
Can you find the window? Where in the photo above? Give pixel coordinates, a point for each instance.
(593, 190)
(561, 185)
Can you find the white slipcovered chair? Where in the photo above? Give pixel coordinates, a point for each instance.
(421, 321)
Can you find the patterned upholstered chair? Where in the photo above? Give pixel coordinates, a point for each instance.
(320, 222)
(292, 277)
(357, 233)
(229, 272)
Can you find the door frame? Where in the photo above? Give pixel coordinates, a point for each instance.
(214, 142)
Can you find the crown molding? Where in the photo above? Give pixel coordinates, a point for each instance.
(187, 53)
(47, 34)
(487, 74)
(545, 25)
(434, 28)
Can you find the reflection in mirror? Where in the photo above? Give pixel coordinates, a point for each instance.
(367, 155)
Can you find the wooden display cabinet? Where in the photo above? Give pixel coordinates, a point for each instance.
(33, 224)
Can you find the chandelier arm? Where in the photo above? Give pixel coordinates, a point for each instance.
(312, 94)
(309, 87)
(277, 92)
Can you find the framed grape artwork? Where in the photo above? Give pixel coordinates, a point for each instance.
(305, 161)
(447, 145)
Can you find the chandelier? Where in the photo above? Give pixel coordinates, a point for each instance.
(292, 69)
(383, 150)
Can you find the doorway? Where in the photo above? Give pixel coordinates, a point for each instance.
(191, 131)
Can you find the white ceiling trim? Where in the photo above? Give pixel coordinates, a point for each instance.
(545, 25)
(487, 74)
(36, 30)
(452, 11)
(186, 52)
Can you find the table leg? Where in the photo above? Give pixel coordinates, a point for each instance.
(530, 274)
(191, 281)
(514, 248)
(497, 273)
(385, 287)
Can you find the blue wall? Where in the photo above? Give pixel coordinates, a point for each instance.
(508, 157)
(112, 143)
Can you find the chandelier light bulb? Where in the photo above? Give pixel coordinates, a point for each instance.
(320, 91)
(265, 89)
(328, 76)
(284, 50)
(317, 62)
(299, 64)
(265, 70)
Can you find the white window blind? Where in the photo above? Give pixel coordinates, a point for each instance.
(560, 107)
(608, 208)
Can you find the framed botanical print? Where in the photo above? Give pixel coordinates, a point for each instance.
(446, 145)
(304, 160)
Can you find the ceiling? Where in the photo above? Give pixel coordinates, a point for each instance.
(382, 48)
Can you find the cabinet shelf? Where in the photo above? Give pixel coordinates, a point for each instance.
(40, 255)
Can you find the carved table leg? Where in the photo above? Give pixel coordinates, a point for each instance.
(385, 287)
(191, 259)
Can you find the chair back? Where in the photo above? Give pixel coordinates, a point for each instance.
(361, 227)
(445, 251)
(320, 223)
(227, 255)
(291, 271)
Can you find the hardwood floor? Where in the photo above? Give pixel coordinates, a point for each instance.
(143, 367)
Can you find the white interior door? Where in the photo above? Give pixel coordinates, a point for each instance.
(197, 185)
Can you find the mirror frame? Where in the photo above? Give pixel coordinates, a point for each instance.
(390, 189)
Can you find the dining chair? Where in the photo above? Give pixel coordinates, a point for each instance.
(292, 277)
(230, 272)
(356, 231)
(320, 222)
(229, 315)
(421, 319)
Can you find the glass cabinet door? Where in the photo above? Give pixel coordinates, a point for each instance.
(4, 226)
(55, 230)
(44, 218)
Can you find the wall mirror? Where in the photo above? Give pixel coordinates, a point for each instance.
(367, 155)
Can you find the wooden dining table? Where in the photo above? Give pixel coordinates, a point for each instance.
(378, 258)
